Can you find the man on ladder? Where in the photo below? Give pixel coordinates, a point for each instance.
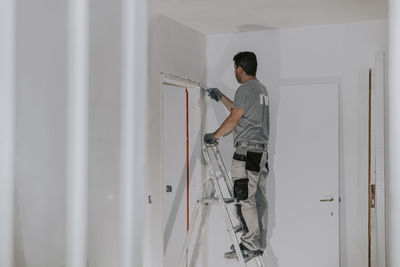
(249, 120)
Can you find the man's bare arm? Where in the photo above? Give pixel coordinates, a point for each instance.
(230, 122)
(227, 102)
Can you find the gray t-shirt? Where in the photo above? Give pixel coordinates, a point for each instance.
(253, 98)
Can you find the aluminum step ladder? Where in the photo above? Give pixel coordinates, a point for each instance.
(213, 193)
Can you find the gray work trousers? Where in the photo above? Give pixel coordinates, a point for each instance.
(249, 175)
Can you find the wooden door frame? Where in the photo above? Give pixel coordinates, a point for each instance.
(376, 168)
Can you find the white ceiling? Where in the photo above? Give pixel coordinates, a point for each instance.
(223, 16)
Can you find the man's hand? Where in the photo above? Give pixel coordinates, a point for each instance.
(209, 138)
(215, 94)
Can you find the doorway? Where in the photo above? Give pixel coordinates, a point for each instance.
(182, 170)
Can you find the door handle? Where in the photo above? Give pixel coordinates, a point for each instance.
(327, 199)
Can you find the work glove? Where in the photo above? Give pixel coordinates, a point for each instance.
(215, 94)
(209, 138)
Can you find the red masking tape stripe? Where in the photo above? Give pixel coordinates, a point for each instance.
(187, 159)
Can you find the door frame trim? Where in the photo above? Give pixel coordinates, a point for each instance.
(175, 80)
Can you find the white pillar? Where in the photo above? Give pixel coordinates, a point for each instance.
(77, 178)
(133, 131)
(7, 113)
(393, 197)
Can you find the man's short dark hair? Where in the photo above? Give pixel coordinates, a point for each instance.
(248, 61)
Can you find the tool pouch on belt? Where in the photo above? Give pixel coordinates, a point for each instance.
(241, 189)
(253, 160)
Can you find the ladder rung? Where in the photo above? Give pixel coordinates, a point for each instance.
(209, 200)
(238, 228)
(247, 258)
(214, 200)
(229, 200)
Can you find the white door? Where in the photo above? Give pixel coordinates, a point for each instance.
(303, 184)
(181, 148)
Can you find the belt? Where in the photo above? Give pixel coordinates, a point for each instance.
(251, 144)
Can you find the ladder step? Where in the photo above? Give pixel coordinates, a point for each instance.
(214, 200)
(210, 200)
(238, 228)
(229, 200)
(246, 258)
(249, 258)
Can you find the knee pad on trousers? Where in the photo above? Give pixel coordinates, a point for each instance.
(241, 189)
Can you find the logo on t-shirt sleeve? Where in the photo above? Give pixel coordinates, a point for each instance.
(264, 100)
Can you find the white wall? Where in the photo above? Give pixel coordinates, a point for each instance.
(179, 50)
(345, 51)
(41, 113)
(41, 69)
(40, 132)
(104, 133)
